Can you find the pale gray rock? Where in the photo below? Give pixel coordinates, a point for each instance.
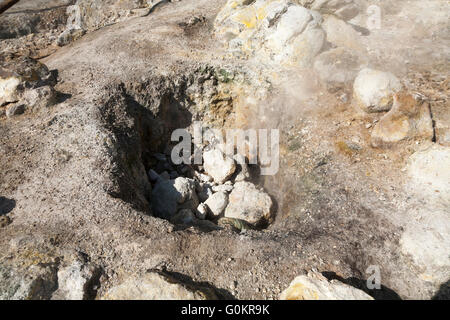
(344, 9)
(223, 188)
(203, 177)
(165, 175)
(155, 285)
(425, 169)
(316, 287)
(427, 226)
(153, 176)
(342, 34)
(8, 89)
(186, 188)
(75, 281)
(272, 31)
(247, 202)
(218, 166)
(202, 211)
(373, 90)
(408, 119)
(337, 65)
(25, 83)
(242, 171)
(37, 98)
(217, 203)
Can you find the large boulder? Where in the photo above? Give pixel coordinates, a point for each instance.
(407, 119)
(156, 285)
(373, 90)
(427, 227)
(277, 31)
(316, 287)
(248, 203)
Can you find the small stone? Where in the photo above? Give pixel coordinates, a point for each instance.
(347, 12)
(69, 36)
(242, 171)
(218, 166)
(233, 223)
(4, 221)
(202, 211)
(38, 98)
(341, 34)
(186, 188)
(153, 176)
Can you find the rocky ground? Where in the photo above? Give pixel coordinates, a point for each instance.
(92, 206)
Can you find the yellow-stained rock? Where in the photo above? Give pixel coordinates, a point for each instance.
(277, 31)
(408, 118)
(316, 287)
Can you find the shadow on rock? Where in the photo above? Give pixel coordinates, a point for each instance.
(6, 205)
(222, 294)
(384, 293)
(444, 292)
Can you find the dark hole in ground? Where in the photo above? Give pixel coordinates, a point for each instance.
(142, 116)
